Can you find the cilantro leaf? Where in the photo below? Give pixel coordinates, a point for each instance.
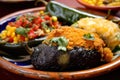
(21, 31)
(88, 36)
(62, 43)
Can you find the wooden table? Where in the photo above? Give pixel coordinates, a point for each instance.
(7, 8)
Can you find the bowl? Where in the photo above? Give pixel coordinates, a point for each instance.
(18, 69)
(99, 7)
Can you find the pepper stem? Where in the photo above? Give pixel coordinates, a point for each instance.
(28, 49)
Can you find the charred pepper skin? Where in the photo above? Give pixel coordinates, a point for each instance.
(46, 58)
(81, 58)
(11, 49)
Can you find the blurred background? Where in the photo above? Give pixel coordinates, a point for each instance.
(10, 6)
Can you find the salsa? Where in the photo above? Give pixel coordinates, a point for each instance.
(29, 26)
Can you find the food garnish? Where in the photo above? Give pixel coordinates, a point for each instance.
(88, 36)
(62, 42)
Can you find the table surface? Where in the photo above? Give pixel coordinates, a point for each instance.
(7, 8)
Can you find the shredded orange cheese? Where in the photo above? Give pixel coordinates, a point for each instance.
(75, 37)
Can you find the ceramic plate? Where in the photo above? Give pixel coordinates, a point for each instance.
(22, 61)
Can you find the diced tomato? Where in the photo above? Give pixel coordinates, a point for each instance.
(22, 38)
(10, 39)
(46, 17)
(35, 27)
(18, 23)
(31, 31)
(37, 20)
(55, 24)
(32, 35)
(11, 24)
(25, 22)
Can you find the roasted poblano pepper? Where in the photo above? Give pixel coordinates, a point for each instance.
(8, 49)
(66, 14)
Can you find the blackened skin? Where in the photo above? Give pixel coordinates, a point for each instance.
(47, 58)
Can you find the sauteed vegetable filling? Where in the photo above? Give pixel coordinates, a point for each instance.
(29, 26)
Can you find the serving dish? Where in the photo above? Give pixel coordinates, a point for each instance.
(32, 73)
(98, 7)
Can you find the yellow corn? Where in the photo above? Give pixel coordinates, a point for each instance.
(114, 4)
(54, 18)
(18, 37)
(47, 30)
(3, 34)
(13, 34)
(8, 27)
(15, 40)
(26, 39)
(94, 2)
(8, 33)
(13, 29)
(41, 12)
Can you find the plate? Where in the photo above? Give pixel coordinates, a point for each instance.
(22, 61)
(99, 7)
(15, 68)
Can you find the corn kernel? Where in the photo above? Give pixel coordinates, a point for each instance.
(54, 18)
(41, 12)
(18, 36)
(13, 29)
(15, 40)
(13, 34)
(3, 36)
(47, 30)
(4, 32)
(8, 33)
(26, 39)
(8, 27)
